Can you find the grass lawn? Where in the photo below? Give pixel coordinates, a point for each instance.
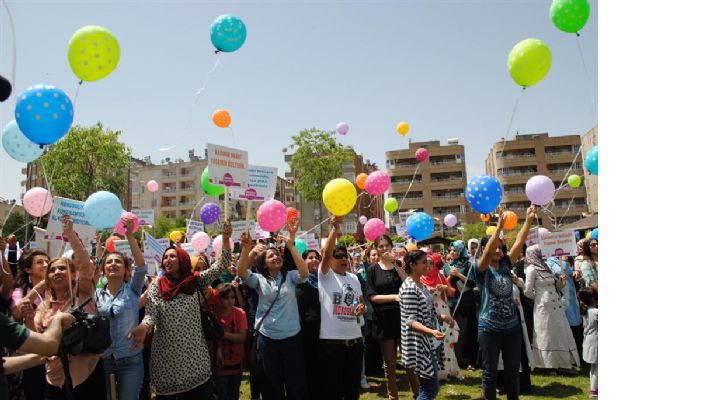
(544, 387)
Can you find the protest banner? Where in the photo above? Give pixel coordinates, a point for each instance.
(193, 226)
(145, 217)
(227, 166)
(154, 248)
(557, 244)
(533, 237)
(75, 209)
(123, 247)
(238, 227)
(261, 185)
(311, 242)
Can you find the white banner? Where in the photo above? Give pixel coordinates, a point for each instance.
(145, 217)
(123, 247)
(227, 166)
(556, 244)
(533, 237)
(311, 241)
(261, 186)
(189, 249)
(75, 209)
(238, 227)
(193, 227)
(154, 249)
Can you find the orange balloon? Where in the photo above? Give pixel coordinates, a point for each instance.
(360, 180)
(221, 118)
(411, 247)
(485, 217)
(511, 220)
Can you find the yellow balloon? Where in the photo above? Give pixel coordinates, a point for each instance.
(490, 230)
(93, 53)
(175, 236)
(339, 196)
(402, 128)
(529, 62)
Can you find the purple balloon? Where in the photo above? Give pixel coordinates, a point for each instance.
(342, 128)
(540, 190)
(450, 220)
(209, 214)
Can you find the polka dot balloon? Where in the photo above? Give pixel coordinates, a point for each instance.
(529, 61)
(17, 145)
(272, 215)
(102, 209)
(569, 15)
(228, 33)
(373, 228)
(422, 154)
(37, 201)
(209, 213)
(484, 193)
(377, 183)
(420, 225)
(44, 114)
(93, 53)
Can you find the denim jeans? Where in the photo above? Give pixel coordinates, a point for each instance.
(491, 345)
(429, 387)
(128, 372)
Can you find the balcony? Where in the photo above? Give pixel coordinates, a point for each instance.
(169, 190)
(169, 174)
(515, 156)
(190, 189)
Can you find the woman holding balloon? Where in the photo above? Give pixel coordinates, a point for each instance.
(464, 304)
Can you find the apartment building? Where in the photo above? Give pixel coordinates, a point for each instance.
(589, 140)
(515, 161)
(438, 186)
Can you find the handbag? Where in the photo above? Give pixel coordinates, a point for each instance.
(210, 325)
(252, 350)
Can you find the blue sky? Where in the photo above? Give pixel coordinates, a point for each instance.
(439, 65)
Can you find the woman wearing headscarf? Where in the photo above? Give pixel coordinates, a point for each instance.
(441, 290)
(180, 365)
(466, 349)
(553, 343)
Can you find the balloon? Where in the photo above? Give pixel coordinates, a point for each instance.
(363, 219)
(37, 201)
(339, 196)
(121, 229)
(529, 62)
(221, 118)
(422, 154)
(175, 236)
(484, 193)
(360, 180)
(102, 209)
(93, 53)
(377, 183)
(301, 246)
(490, 230)
(592, 160)
(152, 186)
(110, 245)
(5, 89)
(210, 188)
(511, 220)
(391, 205)
(374, 228)
(595, 234)
(17, 145)
(569, 15)
(485, 217)
(588, 234)
(217, 244)
(450, 220)
(228, 33)
(343, 128)
(200, 241)
(291, 213)
(411, 247)
(402, 128)
(540, 190)
(209, 213)
(420, 225)
(574, 181)
(44, 114)
(271, 215)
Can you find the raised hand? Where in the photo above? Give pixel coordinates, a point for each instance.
(226, 229)
(531, 211)
(501, 217)
(67, 224)
(246, 243)
(128, 224)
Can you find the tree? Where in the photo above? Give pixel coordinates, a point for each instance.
(87, 160)
(397, 239)
(13, 224)
(478, 231)
(347, 240)
(162, 227)
(318, 159)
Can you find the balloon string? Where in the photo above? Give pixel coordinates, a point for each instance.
(410, 186)
(507, 131)
(234, 136)
(589, 78)
(76, 96)
(14, 46)
(192, 213)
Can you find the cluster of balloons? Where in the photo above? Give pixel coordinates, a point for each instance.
(272, 215)
(484, 193)
(540, 190)
(339, 196)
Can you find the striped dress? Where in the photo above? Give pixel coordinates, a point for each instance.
(418, 349)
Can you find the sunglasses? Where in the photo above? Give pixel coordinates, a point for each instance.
(339, 256)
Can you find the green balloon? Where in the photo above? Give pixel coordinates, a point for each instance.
(529, 62)
(391, 205)
(574, 181)
(569, 15)
(301, 246)
(210, 188)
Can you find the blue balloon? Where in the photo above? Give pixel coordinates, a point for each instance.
(420, 225)
(17, 145)
(228, 33)
(102, 210)
(484, 193)
(595, 234)
(592, 160)
(44, 114)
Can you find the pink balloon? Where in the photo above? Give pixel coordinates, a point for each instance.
(200, 241)
(37, 201)
(450, 220)
(377, 183)
(217, 245)
(272, 215)
(540, 190)
(152, 186)
(374, 228)
(343, 128)
(120, 229)
(422, 154)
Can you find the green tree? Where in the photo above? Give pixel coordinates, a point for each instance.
(347, 240)
(397, 239)
(14, 223)
(87, 160)
(318, 159)
(162, 227)
(478, 231)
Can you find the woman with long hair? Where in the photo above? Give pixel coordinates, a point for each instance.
(589, 263)
(463, 305)
(180, 365)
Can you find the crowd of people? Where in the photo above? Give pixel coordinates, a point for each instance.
(313, 325)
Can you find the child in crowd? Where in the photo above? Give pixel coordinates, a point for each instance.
(588, 299)
(230, 353)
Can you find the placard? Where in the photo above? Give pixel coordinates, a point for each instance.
(311, 242)
(145, 217)
(533, 237)
(123, 247)
(227, 166)
(154, 248)
(193, 226)
(261, 185)
(238, 227)
(557, 244)
(75, 209)
(260, 233)
(189, 249)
